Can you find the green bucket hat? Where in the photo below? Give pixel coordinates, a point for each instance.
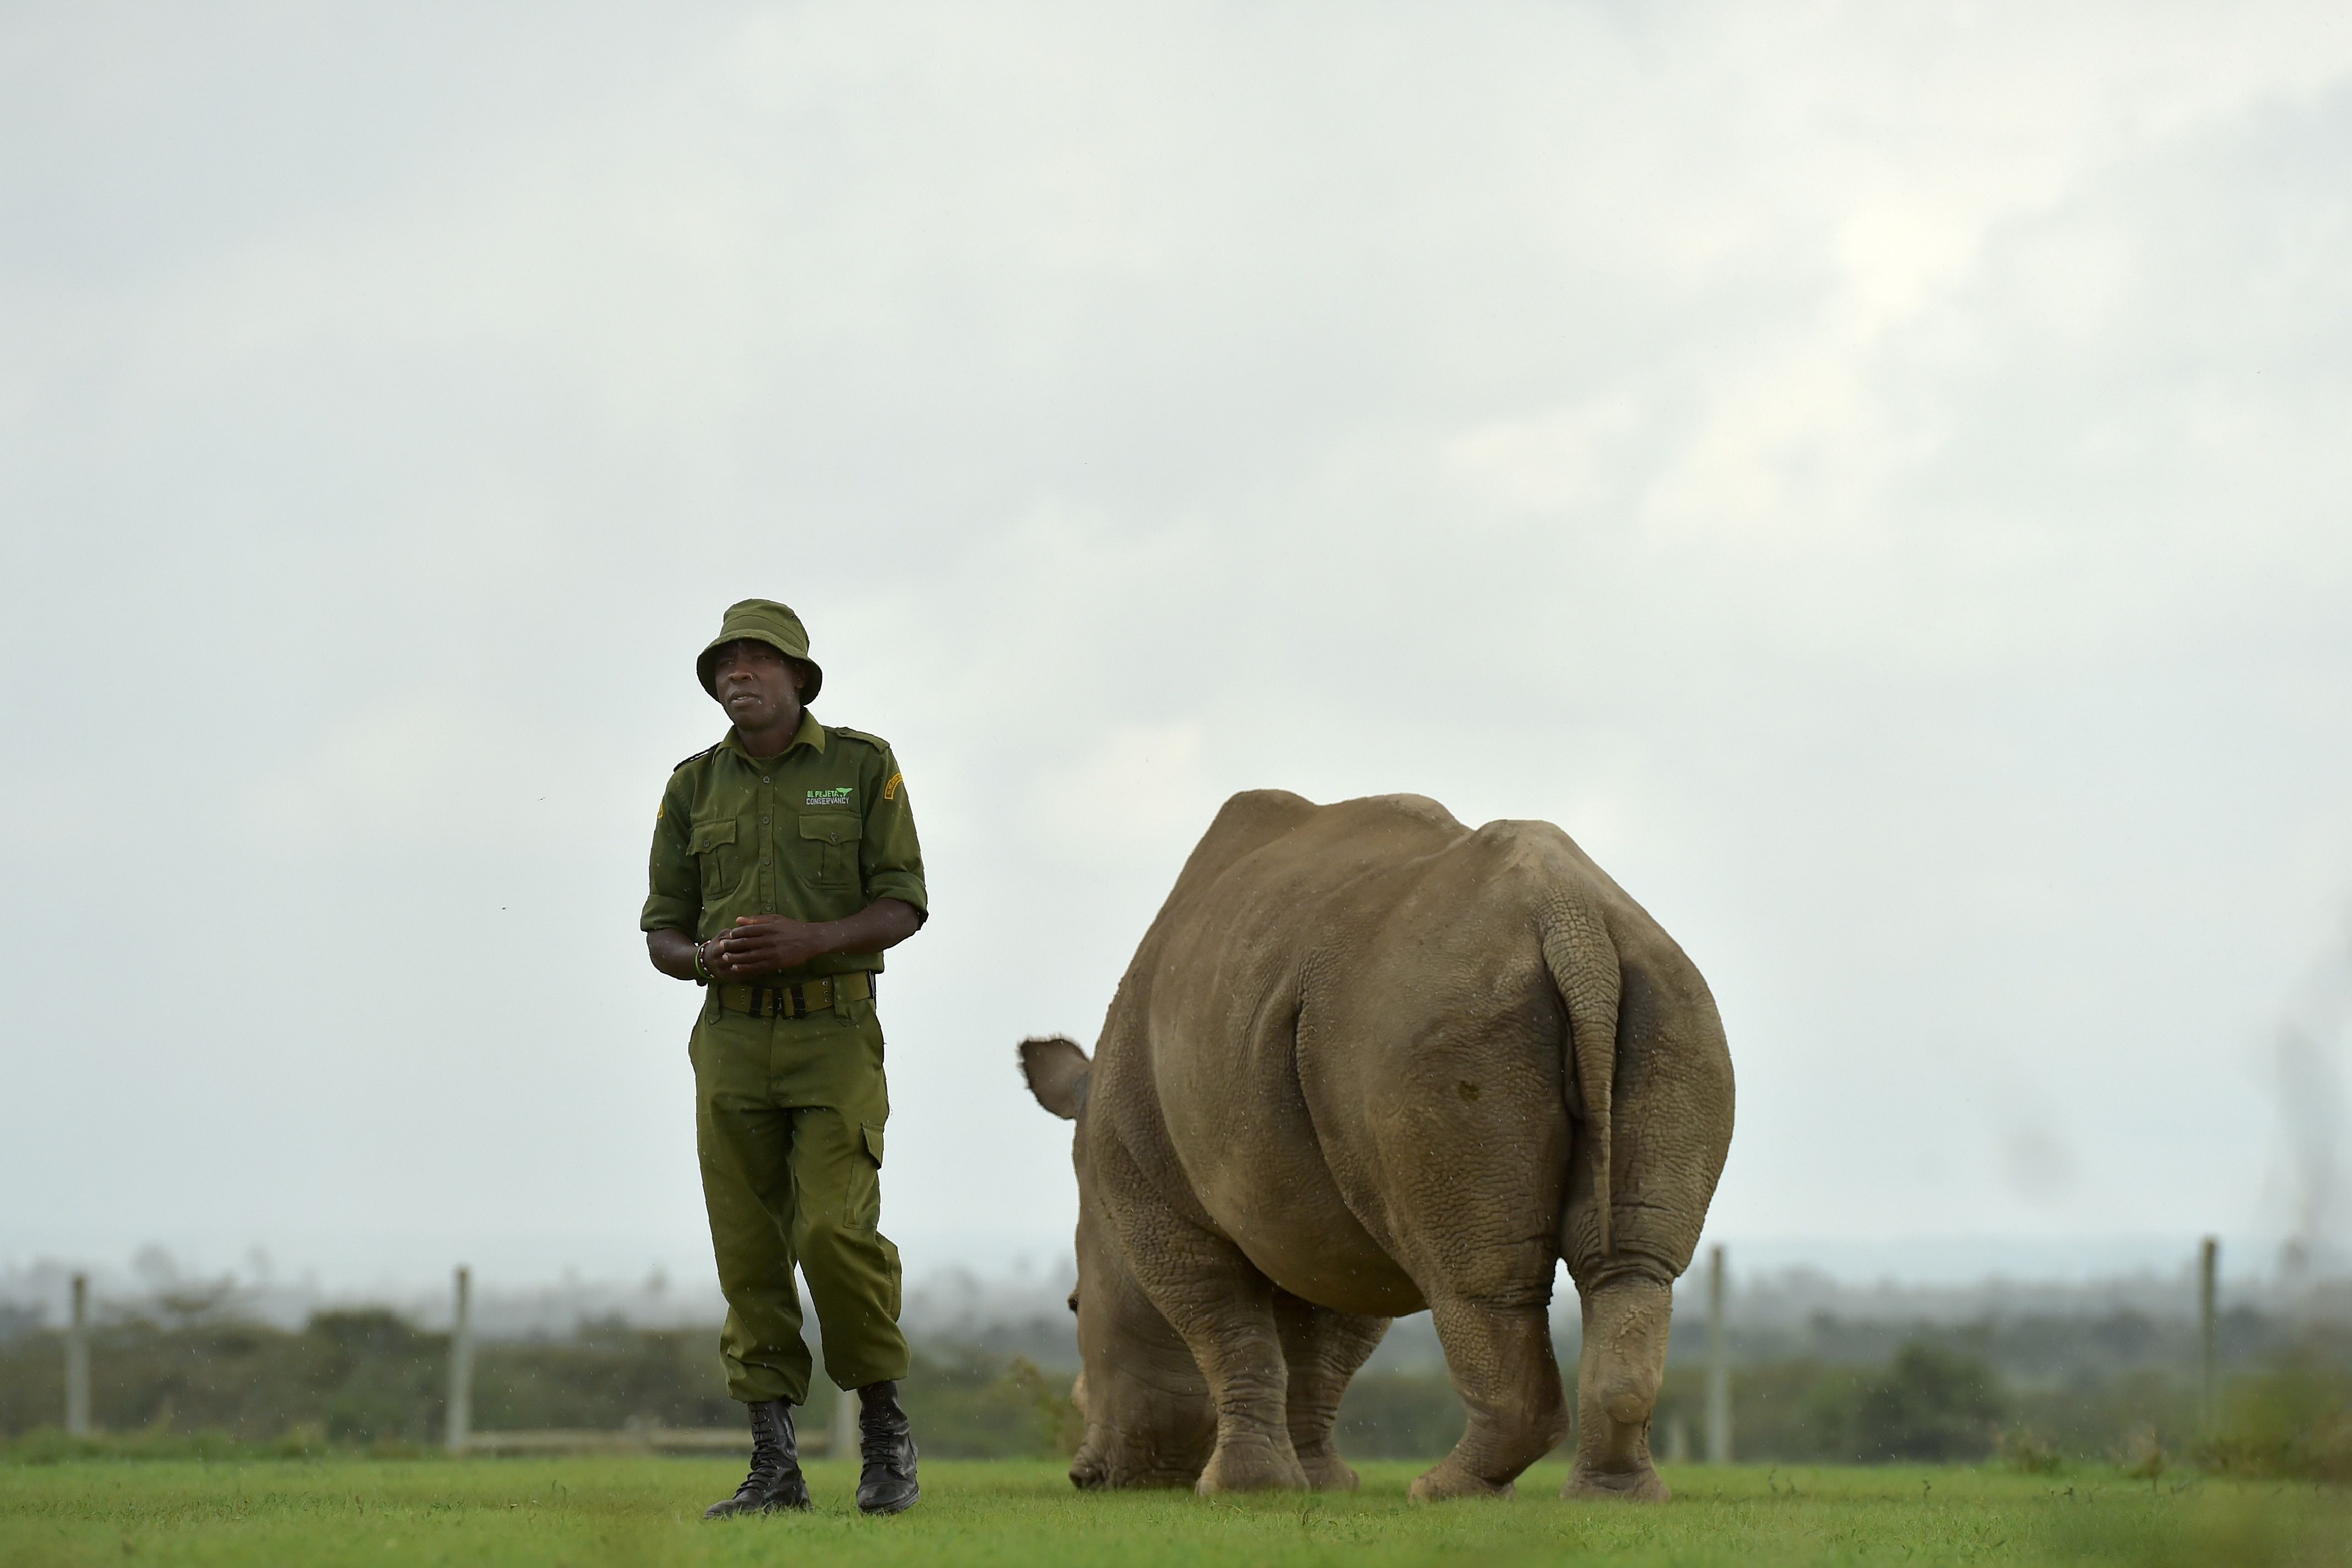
(761, 620)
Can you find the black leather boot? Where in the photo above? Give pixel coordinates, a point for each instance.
(885, 1441)
(775, 1482)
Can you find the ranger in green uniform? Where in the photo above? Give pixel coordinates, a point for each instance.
(784, 862)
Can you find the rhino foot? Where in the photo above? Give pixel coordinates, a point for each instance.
(1449, 1481)
(1252, 1466)
(1615, 1486)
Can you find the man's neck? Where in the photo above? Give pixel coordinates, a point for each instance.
(772, 741)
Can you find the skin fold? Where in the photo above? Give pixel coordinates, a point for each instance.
(1368, 1062)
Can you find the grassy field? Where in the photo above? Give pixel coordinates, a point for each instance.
(582, 1512)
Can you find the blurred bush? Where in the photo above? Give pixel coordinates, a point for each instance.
(368, 1380)
(969, 1404)
(1400, 1416)
(1929, 1403)
(2292, 1420)
(357, 1377)
(605, 1377)
(2027, 1453)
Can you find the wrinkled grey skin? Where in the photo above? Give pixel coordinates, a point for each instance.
(1369, 1060)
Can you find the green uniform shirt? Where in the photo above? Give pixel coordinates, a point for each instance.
(817, 834)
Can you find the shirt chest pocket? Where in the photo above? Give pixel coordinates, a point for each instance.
(829, 848)
(713, 846)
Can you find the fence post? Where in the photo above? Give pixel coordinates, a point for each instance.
(1718, 1365)
(461, 1364)
(78, 1360)
(844, 1425)
(2208, 1383)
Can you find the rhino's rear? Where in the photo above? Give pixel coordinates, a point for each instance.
(1380, 1060)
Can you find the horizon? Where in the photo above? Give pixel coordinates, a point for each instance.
(1922, 1265)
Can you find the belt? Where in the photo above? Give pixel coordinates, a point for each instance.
(795, 1001)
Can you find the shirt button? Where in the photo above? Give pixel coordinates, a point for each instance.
(767, 781)
(763, 818)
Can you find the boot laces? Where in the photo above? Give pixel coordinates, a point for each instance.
(767, 1449)
(883, 1445)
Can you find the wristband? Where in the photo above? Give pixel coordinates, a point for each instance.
(702, 975)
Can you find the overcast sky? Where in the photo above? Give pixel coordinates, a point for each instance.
(1877, 476)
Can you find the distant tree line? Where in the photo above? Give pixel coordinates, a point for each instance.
(369, 1379)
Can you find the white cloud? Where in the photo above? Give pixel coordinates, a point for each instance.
(1552, 462)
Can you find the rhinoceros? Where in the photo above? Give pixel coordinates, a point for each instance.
(1368, 1062)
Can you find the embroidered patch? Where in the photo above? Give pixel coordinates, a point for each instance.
(840, 797)
(890, 791)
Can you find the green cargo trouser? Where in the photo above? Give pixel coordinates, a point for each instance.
(788, 1116)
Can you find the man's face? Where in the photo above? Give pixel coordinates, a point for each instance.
(756, 684)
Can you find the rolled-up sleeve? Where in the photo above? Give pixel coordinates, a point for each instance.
(673, 883)
(889, 857)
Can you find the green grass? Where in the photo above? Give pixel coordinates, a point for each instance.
(584, 1512)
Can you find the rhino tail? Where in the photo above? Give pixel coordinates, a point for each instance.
(1583, 964)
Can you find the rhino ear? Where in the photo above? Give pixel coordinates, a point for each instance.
(1057, 1071)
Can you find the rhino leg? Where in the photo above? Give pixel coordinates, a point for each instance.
(1673, 1113)
(1226, 1316)
(1323, 1349)
(1618, 1373)
(1146, 1407)
(1501, 1362)
(1223, 1308)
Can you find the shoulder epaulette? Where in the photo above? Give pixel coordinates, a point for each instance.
(874, 741)
(699, 756)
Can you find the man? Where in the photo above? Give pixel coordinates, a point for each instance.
(784, 862)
